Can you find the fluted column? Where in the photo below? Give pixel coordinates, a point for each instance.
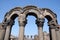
(22, 24)
(57, 33)
(40, 23)
(52, 31)
(2, 31)
(8, 29)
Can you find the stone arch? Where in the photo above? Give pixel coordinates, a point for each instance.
(49, 15)
(31, 10)
(40, 14)
(52, 22)
(13, 13)
(9, 20)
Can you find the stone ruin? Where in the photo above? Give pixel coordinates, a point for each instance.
(22, 13)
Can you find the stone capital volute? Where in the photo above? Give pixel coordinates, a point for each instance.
(40, 22)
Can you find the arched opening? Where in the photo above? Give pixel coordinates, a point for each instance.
(15, 27)
(47, 19)
(31, 27)
(31, 13)
(14, 16)
(46, 27)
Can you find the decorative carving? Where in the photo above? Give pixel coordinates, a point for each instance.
(10, 22)
(57, 28)
(52, 24)
(22, 19)
(40, 22)
(22, 23)
(51, 12)
(2, 26)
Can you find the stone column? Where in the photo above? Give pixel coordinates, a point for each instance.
(2, 32)
(22, 24)
(8, 29)
(59, 28)
(45, 35)
(53, 34)
(40, 23)
(57, 33)
(52, 28)
(36, 37)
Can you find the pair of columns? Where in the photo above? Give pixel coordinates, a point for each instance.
(22, 24)
(54, 31)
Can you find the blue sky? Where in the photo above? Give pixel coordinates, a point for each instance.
(31, 27)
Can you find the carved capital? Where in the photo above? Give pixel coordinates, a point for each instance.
(52, 24)
(57, 28)
(52, 27)
(10, 22)
(7, 23)
(22, 22)
(40, 22)
(2, 26)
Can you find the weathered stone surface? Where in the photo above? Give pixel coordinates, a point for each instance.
(22, 13)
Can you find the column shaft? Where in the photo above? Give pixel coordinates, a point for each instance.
(8, 33)
(21, 33)
(40, 23)
(45, 36)
(2, 34)
(58, 34)
(53, 34)
(40, 33)
(22, 22)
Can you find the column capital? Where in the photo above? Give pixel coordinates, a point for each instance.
(22, 22)
(10, 22)
(57, 28)
(7, 23)
(2, 26)
(40, 22)
(52, 24)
